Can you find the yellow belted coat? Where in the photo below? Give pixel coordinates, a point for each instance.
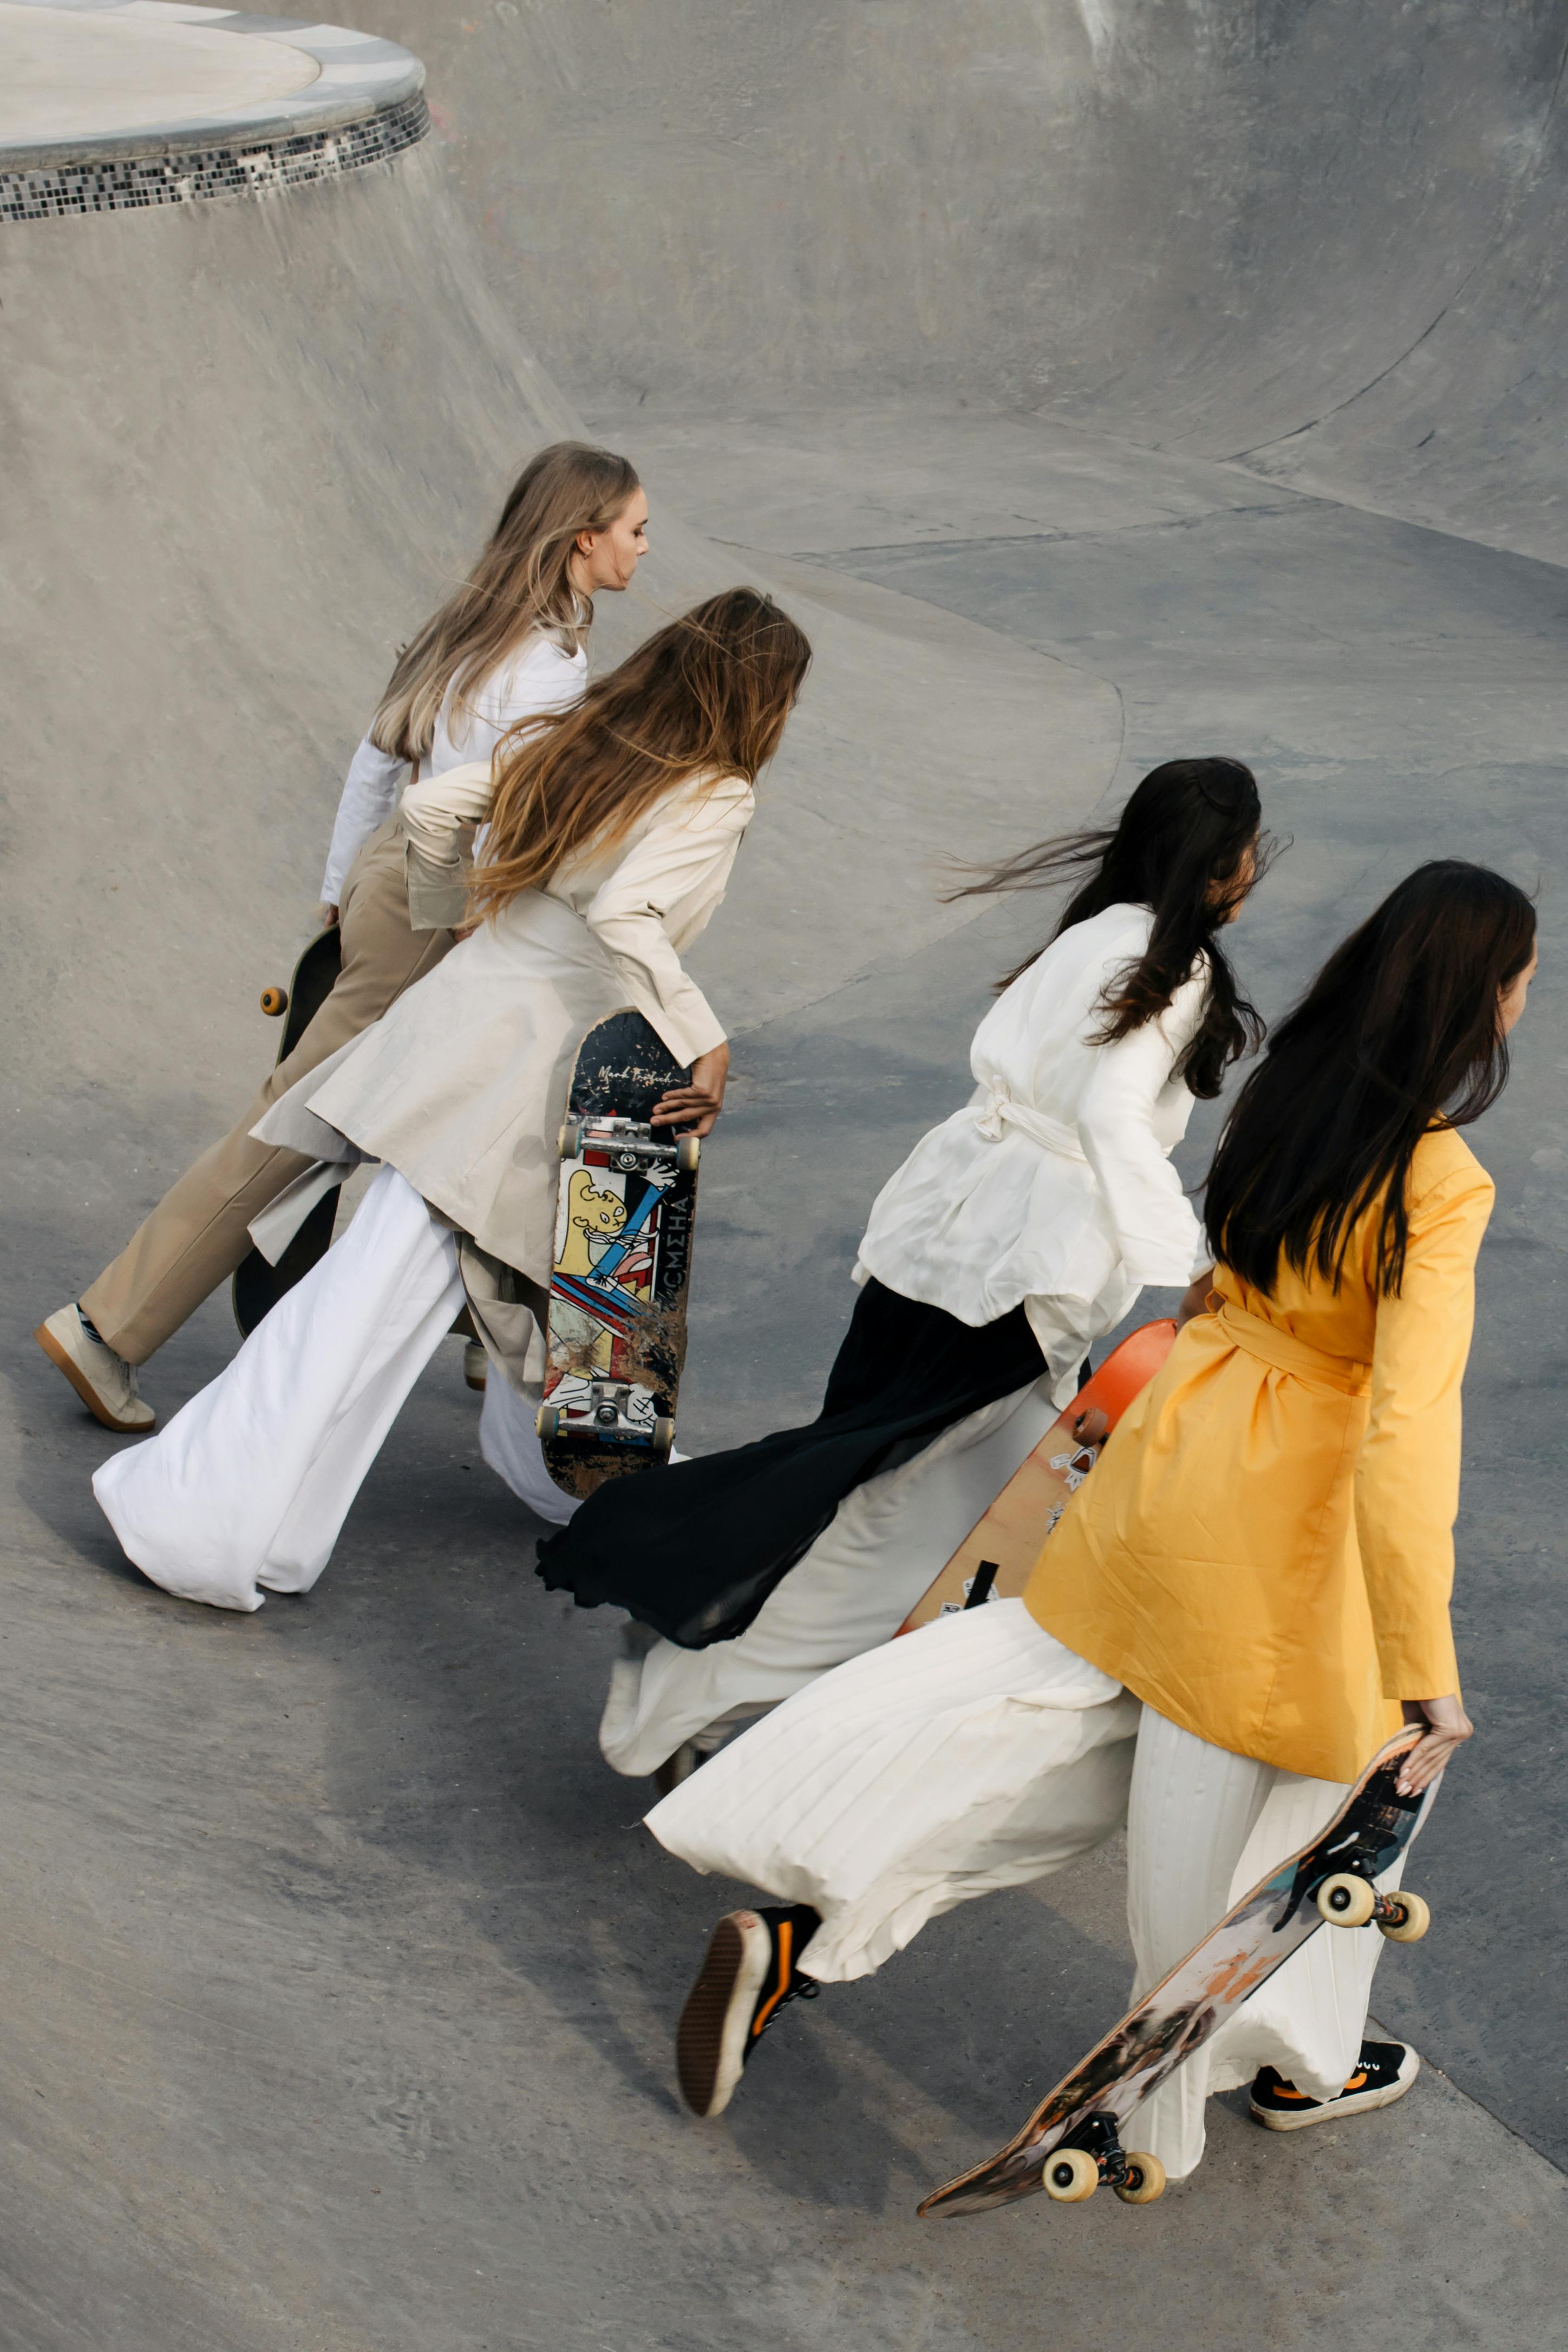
(1265, 1552)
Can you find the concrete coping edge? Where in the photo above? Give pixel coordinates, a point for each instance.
(362, 74)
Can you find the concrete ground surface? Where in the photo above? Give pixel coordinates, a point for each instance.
(339, 1976)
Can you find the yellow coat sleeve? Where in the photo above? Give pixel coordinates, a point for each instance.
(1407, 1474)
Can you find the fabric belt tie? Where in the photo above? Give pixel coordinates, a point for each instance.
(1265, 1340)
(1051, 1134)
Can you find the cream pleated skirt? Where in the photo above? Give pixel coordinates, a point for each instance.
(974, 1753)
(980, 1753)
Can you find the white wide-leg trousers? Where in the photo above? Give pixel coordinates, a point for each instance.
(981, 1753)
(244, 1491)
(1202, 1828)
(850, 1592)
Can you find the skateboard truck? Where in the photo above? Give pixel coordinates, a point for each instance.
(607, 1414)
(1092, 2152)
(628, 1142)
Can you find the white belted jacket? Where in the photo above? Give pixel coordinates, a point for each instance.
(1053, 1187)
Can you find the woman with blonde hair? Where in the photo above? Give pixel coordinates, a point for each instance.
(505, 646)
(611, 834)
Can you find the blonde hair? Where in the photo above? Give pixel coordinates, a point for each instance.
(522, 581)
(707, 697)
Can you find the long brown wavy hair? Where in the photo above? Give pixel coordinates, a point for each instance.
(522, 582)
(706, 697)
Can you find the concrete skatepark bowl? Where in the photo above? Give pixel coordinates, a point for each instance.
(1096, 379)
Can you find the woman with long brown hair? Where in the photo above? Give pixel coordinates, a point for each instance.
(506, 645)
(611, 834)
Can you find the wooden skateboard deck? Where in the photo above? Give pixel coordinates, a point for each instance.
(625, 1207)
(257, 1286)
(1073, 2139)
(995, 1560)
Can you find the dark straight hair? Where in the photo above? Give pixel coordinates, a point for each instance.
(1180, 847)
(1399, 1033)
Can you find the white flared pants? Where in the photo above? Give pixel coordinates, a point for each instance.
(246, 1490)
(980, 1753)
(850, 1592)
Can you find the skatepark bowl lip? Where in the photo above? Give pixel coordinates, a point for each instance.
(359, 76)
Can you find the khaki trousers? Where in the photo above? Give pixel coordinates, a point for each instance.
(198, 1233)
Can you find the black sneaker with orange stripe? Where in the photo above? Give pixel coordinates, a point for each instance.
(749, 1975)
(1383, 2073)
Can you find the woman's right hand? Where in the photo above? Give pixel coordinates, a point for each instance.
(694, 1108)
(328, 917)
(1448, 1728)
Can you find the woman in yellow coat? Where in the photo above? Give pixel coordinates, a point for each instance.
(1240, 1604)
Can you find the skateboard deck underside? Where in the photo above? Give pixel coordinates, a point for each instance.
(623, 1259)
(258, 1286)
(1371, 1829)
(994, 1560)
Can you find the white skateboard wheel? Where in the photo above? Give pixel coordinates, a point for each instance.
(1414, 1925)
(1070, 2176)
(1346, 1901)
(1145, 2180)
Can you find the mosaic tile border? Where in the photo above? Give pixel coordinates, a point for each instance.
(133, 182)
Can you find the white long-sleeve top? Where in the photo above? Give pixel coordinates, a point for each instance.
(539, 676)
(1053, 1187)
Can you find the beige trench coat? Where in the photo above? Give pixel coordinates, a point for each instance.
(462, 1084)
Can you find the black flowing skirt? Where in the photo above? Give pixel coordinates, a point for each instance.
(695, 1550)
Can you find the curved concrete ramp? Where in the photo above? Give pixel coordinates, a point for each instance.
(1327, 236)
(338, 1977)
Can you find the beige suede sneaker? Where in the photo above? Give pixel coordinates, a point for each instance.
(105, 1383)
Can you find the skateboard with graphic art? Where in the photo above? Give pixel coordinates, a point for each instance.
(1073, 2141)
(257, 1286)
(626, 1207)
(993, 1562)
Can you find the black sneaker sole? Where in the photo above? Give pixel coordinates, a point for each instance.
(711, 2041)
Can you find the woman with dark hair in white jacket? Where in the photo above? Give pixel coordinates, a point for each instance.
(1016, 1233)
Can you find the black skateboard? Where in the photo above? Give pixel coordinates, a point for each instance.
(257, 1286)
(625, 1210)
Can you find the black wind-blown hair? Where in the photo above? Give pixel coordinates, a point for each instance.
(1187, 826)
(1398, 1033)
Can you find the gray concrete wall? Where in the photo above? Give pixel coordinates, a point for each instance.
(1215, 227)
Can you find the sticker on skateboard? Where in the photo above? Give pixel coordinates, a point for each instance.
(625, 1209)
(994, 1560)
(257, 1286)
(1073, 2141)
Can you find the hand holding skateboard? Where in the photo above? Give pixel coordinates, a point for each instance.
(1447, 1728)
(695, 1107)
